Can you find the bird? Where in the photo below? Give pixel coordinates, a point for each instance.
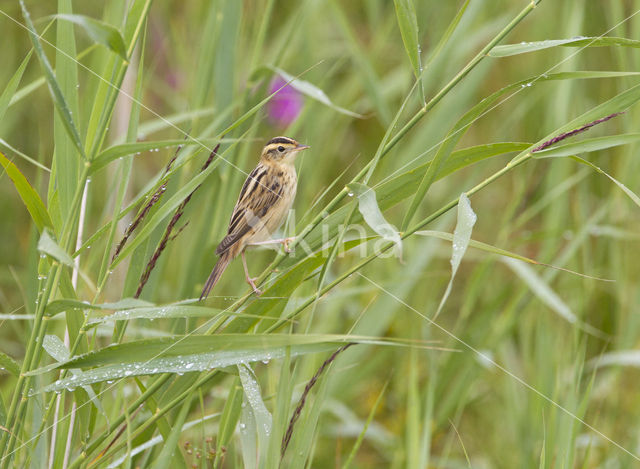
(262, 206)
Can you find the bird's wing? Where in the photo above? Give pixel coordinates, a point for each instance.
(258, 195)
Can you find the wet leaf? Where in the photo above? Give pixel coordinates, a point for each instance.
(368, 206)
(9, 364)
(461, 237)
(48, 246)
(525, 47)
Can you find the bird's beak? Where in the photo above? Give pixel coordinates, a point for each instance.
(302, 147)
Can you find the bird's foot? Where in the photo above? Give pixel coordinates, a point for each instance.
(252, 283)
(286, 242)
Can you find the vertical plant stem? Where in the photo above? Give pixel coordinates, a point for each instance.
(22, 379)
(67, 449)
(20, 399)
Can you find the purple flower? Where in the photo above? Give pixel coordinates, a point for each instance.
(285, 106)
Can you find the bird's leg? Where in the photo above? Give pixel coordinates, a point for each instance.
(250, 281)
(284, 241)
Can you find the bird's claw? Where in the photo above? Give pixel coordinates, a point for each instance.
(285, 244)
(252, 283)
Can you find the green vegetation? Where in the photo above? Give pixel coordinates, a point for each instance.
(126, 131)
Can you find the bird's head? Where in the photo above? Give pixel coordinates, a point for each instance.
(282, 150)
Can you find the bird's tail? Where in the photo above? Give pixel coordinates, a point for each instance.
(216, 273)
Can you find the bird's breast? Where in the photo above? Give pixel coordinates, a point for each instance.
(282, 180)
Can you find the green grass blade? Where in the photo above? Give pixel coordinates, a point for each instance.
(525, 47)
(117, 151)
(27, 193)
(229, 419)
(99, 31)
(48, 246)
(261, 416)
(164, 312)
(444, 39)
(360, 439)
(28, 89)
(56, 93)
(140, 350)
(461, 237)
(587, 145)
(408, 25)
(542, 290)
(632, 195)
(180, 364)
(169, 448)
(370, 211)
(9, 364)
(55, 348)
(63, 305)
(5, 144)
(284, 394)
(619, 103)
(313, 92)
(10, 90)
(65, 159)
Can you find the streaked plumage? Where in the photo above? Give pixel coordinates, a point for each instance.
(262, 206)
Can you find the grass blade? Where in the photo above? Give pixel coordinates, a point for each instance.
(166, 456)
(541, 289)
(372, 413)
(140, 350)
(447, 34)
(28, 194)
(48, 246)
(461, 237)
(99, 31)
(56, 93)
(525, 47)
(368, 206)
(117, 151)
(588, 145)
(9, 364)
(10, 89)
(632, 195)
(229, 420)
(5, 144)
(262, 420)
(408, 24)
(313, 92)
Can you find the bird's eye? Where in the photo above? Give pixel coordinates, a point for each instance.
(280, 149)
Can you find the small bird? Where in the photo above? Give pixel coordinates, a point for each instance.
(263, 204)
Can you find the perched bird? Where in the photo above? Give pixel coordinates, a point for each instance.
(263, 204)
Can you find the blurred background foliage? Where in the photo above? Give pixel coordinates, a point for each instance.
(206, 63)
